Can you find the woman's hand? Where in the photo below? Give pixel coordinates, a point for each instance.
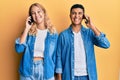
(26, 30)
(28, 23)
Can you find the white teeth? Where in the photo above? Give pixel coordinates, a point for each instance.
(76, 19)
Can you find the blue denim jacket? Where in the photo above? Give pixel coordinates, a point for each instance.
(65, 52)
(27, 49)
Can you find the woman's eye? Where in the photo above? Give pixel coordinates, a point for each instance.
(39, 11)
(32, 13)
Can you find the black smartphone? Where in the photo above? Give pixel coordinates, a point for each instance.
(86, 20)
(30, 21)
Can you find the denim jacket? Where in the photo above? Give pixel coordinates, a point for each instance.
(65, 52)
(27, 49)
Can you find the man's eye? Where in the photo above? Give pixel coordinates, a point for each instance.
(79, 13)
(73, 12)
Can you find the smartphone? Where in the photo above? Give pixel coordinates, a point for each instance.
(86, 19)
(30, 21)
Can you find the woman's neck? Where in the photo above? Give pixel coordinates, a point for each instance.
(41, 26)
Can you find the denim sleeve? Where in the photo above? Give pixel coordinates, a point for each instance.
(58, 68)
(19, 47)
(101, 40)
(54, 53)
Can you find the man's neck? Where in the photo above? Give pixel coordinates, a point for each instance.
(76, 28)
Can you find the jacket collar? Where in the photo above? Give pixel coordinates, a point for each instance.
(82, 28)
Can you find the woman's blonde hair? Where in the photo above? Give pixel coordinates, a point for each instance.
(47, 22)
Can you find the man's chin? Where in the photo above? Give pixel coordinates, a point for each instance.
(76, 24)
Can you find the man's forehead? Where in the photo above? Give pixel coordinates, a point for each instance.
(77, 9)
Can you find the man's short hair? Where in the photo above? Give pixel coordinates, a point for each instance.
(78, 6)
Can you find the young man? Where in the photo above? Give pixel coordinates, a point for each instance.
(75, 50)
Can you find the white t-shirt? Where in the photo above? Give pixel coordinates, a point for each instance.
(40, 43)
(79, 56)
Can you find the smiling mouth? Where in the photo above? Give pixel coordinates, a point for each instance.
(76, 19)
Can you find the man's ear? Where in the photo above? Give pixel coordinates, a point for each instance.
(83, 17)
(70, 16)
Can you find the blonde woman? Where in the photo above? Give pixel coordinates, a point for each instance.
(38, 45)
